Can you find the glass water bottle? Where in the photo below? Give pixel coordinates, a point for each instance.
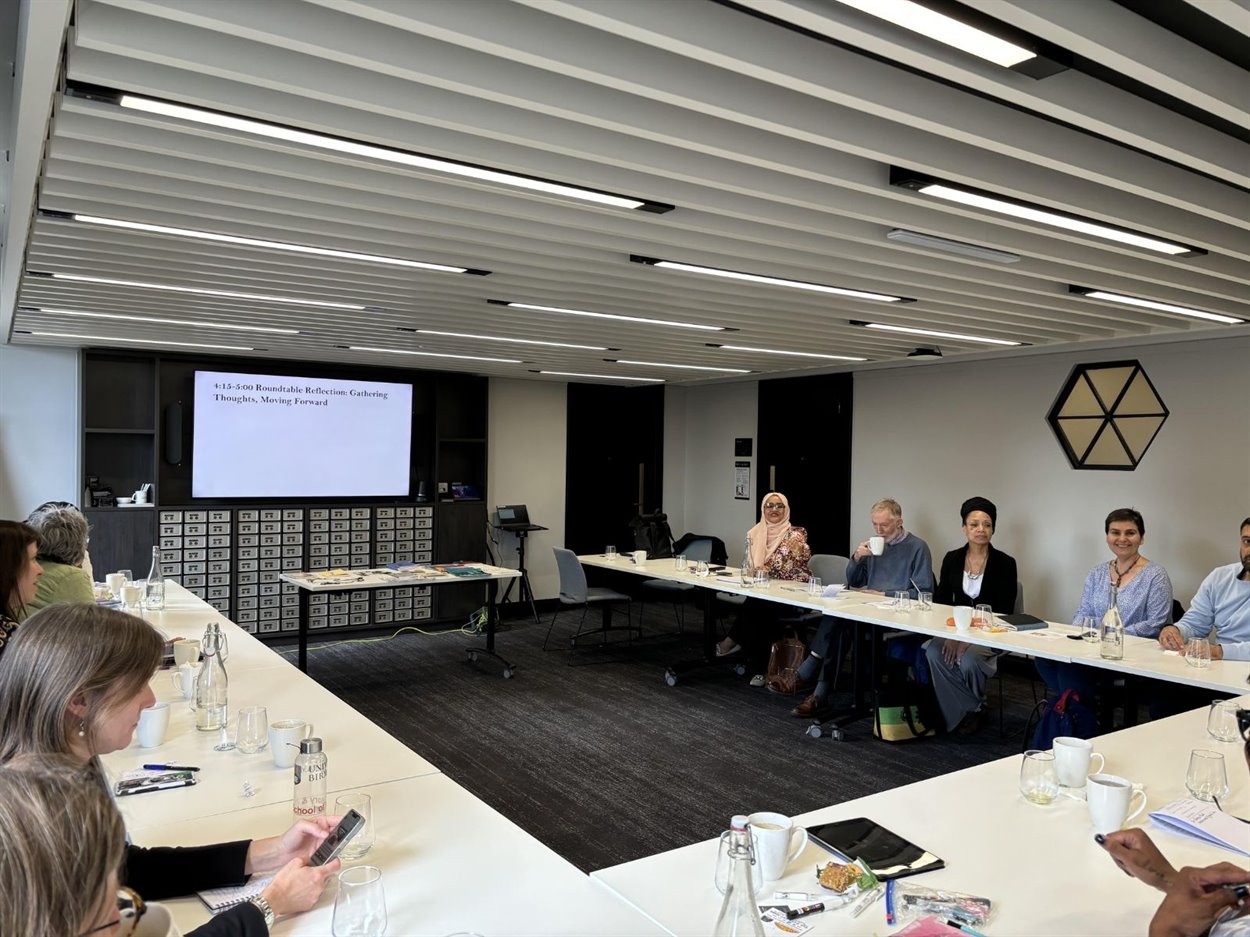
(211, 684)
(739, 877)
(154, 590)
(1111, 634)
(747, 572)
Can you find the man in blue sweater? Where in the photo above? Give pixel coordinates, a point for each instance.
(1222, 602)
(905, 565)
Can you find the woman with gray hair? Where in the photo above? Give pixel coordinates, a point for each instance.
(63, 538)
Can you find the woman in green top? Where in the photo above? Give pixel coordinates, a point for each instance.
(62, 533)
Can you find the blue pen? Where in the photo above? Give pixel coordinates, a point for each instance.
(889, 901)
(965, 928)
(170, 768)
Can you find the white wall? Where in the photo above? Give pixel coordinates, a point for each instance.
(526, 462)
(701, 423)
(932, 436)
(39, 419)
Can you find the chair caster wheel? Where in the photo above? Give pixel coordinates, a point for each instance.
(473, 657)
(836, 735)
(670, 678)
(740, 669)
(814, 731)
(507, 674)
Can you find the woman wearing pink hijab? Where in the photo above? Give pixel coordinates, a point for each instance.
(780, 549)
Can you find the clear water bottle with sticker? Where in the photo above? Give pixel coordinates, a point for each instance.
(310, 780)
(739, 878)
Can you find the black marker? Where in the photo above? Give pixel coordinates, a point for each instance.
(170, 768)
(805, 911)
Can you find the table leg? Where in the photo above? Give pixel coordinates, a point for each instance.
(303, 629)
(492, 610)
(675, 670)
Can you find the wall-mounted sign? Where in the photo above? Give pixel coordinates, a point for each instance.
(742, 481)
(742, 446)
(1107, 415)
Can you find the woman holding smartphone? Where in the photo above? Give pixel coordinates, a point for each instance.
(73, 682)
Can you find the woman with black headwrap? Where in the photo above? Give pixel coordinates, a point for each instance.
(974, 574)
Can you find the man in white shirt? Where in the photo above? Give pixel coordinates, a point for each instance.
(1222, 602)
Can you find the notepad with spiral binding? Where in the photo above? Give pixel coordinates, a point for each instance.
(219, 899)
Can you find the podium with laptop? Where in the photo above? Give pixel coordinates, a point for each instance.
(515, 519)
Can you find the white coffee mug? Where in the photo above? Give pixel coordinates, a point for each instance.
(963, 617)
(640, 556)
(1072, 756)
(153, 724)
(184, 680)
(115, 581)
(778, 842)
(187, 652)
(284, 739)
(876, 545)
(1109, 797)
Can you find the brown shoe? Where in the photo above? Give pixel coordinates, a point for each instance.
(809, 707)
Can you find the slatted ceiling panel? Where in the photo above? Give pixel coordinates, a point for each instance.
(774, 147)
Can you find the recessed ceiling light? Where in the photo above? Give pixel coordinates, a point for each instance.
(272, 131)
(1153, 304)
(933, 333)
(767, 281)
(267, 245)
(198, 291)
(989, 201)
(432, 354)
(187, 322)
(945, 29)
(517, 341)
(679, 367)
(141, 341)
(604, 377)
(794, 354)
(607, 315)
(932, 242)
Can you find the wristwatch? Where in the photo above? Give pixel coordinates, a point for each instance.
(263, 906)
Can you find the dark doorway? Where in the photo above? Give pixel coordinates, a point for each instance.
(614, 462)
(804, 438)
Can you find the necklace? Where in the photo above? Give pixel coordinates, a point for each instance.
(1118, 574)
(973, 577)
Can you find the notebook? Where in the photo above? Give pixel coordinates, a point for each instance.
(219, 899)
(1205, 822)
(1023, 621)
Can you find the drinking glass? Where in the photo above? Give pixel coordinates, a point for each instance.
(679, 563)
(132, 596)
(252, 730)
(902, 601)
(362, 842)
(747, 576)
(924, 601)
(610, 552)
(1039, 783)
(1206, 777)
(1222, 721)
(126, 574)
(225, 741)
(985, 616)
(701, 569)
(1198, 653)
(761, 578)
(814, 586)
(360, 906)
(1089, 629)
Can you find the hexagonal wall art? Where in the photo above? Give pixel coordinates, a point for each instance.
(1107, 415)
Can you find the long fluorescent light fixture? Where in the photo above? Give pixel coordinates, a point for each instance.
(932, 242)
(142, 341)
(153, 321)
(259, 242)
(500, 338)
(432, 354)
(945, 29)
(933, 333)
(321, 141)
(678, 367)
(989, 201)
(1153, 304)
(608, 315)
(604, 377)
(768, 281)
(198, 291)
(792, 354)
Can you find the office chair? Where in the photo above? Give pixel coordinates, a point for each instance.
(575, 592)
(829, 568)
(676, 593)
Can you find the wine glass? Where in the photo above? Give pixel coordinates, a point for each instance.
(360, 906)
(1039, 783)
(1206, 777)
(1198, 653)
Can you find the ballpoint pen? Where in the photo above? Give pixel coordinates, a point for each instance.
(170, 768)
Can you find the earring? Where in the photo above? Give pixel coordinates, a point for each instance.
(82, 729)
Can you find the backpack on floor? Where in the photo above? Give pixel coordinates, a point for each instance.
(783, 666)
(1063, 715)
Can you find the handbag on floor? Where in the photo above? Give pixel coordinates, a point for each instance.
(783, 666)
(897, 718)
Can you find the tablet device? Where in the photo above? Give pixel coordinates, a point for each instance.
(886, 853)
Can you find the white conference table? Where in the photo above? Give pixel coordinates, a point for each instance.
(449, 863)
(1038, 864)
(187, 616)
(1143, 657)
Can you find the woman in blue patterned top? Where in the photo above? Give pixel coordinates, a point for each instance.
(1143, 594)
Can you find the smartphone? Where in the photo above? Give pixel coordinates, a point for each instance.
(155, 782)
(351, 824)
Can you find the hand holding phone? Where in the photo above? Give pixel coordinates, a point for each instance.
(351, 824)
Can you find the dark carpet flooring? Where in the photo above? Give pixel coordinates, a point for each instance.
(603, 761)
